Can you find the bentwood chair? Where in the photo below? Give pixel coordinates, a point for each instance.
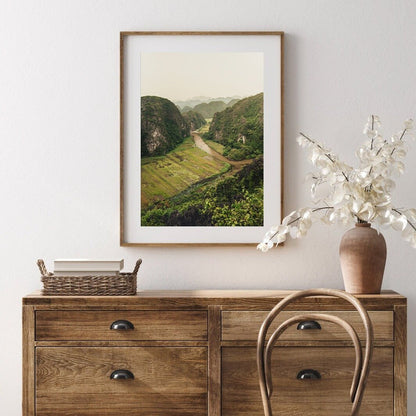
(265, 349)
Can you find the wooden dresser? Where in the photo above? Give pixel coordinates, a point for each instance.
(178, 353)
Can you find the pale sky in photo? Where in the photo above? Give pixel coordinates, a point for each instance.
(181, 76)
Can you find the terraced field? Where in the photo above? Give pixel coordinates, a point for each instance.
(205, 127)
(219, 148)
(165, 176)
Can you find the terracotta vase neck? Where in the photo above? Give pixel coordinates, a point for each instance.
(362, 224)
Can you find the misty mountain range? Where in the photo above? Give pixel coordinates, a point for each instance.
(192, 102)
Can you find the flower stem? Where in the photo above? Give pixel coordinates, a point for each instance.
(298, 218)
(372, 129)
(412, 225)
(401, 138)
(326, 154)
(314, 210)
(381, 148)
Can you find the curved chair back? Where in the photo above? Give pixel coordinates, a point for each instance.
(264, 350)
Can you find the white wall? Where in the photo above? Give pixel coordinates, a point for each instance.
(59, 132)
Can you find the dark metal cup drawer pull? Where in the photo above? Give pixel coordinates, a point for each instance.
(308, 325)
(122, 375)
(122, 325)
(308, 375)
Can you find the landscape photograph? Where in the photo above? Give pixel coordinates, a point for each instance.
(201, 121)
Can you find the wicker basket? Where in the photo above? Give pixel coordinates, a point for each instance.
(123, 284)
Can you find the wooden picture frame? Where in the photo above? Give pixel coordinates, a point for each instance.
(163, 206)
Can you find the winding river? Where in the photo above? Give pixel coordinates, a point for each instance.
(236, 164)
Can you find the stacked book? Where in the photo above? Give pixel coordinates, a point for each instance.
(87, 267)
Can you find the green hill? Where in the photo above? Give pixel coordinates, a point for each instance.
(162, 126)
(194, 120)
(192, 102)
(232, 102)
(239, 128)
(207, 110)
(185, 109)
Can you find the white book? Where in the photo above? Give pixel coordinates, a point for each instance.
(85, 273)
(87, 265)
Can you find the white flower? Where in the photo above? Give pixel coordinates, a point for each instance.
(362, 194)
(262, 247)
(408, 124)
(399, 223)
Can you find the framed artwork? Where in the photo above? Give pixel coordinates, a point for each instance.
(201, 126)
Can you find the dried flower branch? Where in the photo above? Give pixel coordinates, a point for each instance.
(361, 195)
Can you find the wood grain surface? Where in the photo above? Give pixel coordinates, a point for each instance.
(28, 361)
(201, 299)
(193, 353)
(76, 381)
(328, 396)
(400, 361)
(95, 325)
(244, 325)
(214, 354)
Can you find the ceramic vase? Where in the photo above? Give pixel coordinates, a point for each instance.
(362, 254)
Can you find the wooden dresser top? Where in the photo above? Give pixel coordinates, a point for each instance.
(204, 298)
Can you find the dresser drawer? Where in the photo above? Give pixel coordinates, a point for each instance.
(95, 325)
(76, 381)
(245, 325)
(327, 396)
